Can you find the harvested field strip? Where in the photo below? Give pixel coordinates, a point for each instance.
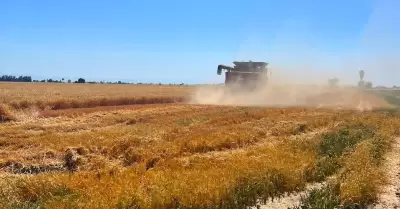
(23, 110)
(171, 133)
(74, 112)
(93, 102)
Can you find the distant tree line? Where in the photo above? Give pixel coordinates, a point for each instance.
(361, 84)
(11, 78)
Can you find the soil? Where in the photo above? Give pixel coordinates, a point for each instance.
(390, 196)
(289, 200)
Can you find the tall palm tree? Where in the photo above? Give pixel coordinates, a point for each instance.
(361, 74)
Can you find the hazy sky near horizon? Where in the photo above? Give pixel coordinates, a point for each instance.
(184, 41)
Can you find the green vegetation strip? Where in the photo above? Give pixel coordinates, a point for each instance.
(390, 96)
(358, 151)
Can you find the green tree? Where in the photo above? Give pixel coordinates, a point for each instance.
(81, 80)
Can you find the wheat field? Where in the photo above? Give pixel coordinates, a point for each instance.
(178, 155)
(65, 95)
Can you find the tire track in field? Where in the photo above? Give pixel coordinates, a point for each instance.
(388, 199)
(390, 196)
(289, 200)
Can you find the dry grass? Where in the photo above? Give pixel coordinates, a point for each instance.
(188, 156)
(6, 113)
(63, 96)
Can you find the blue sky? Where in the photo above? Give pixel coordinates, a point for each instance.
(184, 41)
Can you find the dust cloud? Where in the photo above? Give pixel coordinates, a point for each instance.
(301, 69)
(282, 90)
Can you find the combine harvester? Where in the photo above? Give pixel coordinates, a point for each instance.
(241, 82)
(244, 76)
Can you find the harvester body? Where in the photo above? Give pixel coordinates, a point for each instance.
(244, 75)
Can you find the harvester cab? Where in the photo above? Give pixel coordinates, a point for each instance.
(244, 75)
